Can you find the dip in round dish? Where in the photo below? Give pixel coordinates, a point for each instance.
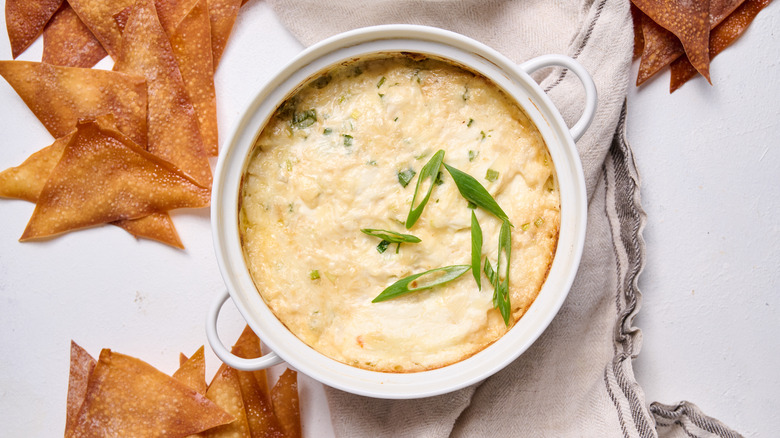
(344, 153)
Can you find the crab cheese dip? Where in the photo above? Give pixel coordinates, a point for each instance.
(326, 198)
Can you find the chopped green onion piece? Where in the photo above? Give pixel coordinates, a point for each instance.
(501, 291)
(491, 175)
(303, 119)
(539, 222)
(327, 131)
(471, 121)
(347, 140)
(414, 282)
(314, 275)
(382, 247)
(476, 249)
(405, 176)
(474, 192)
(429, 171)
(482, 133)
(525, 226)
(473, 155)
(391, 236)
(381, 81)
(490, 273)
(371, 163)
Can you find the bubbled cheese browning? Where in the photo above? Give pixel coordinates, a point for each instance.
(334, 159)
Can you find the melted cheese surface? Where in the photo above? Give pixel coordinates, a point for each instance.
(327, 165)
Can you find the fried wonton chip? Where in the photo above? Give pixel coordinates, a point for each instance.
(172, 12)
(721, 37)
(661, 47)
(284, 396)
(26, 180)
(639, 39)
(103, 177)
(174, 133)
(191, 42)
(689, 21)
(60, 96)
(222, 14)
(225, 392)
(156, 226)
(98, 16)
(193, 372)
(25, 20)
(128, 397)
(81, 367)
(68, 42)
(254, 389)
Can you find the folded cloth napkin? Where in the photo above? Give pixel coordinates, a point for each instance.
(577, 379)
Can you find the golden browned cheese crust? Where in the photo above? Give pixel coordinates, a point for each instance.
(330, 162)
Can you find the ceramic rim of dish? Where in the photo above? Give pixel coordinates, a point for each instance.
(475, 56)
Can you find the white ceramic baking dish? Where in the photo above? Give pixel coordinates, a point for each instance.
(515, 80)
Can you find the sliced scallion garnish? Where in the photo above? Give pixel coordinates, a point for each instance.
(474, 192)
(491, 175)
(303, 119)
(501, 291)
(382, 247)
(423, 280)
(476, 249)
(429, 172)
(391, 236)
(405, 176)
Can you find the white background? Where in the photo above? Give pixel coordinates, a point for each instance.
(710, 167)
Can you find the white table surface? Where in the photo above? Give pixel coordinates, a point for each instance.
(710, 167)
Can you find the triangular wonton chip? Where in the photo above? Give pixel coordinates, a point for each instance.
(721, 37)
(103, 177)
(81, 367)
(156, 226)
(128, 397)
(222, 14)
(191, 42)
(284, 396)
(25, 20)
(193, 372)
(68, 42)
(98, 16)
(660, 47)
(26, 180)
(174, 133)
(254, 388)
(225, 392)
(689, 21)
(60, 96)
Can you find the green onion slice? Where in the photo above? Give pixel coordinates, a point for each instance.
(303, 119)
(474, 192)
(501, 291)
(476, 249)
(429, 171)
(405, 176)
(391, 236)
(423, 280)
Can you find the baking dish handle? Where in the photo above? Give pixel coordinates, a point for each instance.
(239, 363)
(591, 95)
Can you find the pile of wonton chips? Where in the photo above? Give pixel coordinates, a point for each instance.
(686, 34)
(119, 395)
(131, 143)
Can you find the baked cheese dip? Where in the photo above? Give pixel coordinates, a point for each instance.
(344, 154)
